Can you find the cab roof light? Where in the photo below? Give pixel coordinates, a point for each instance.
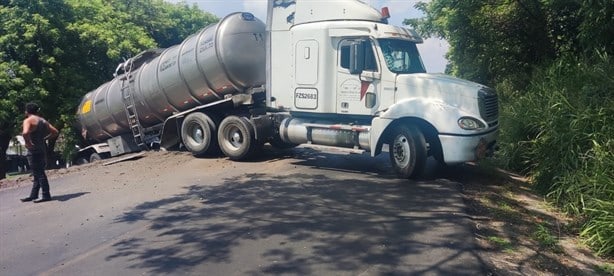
(385, 13)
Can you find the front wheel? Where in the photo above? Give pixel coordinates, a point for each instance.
(407, 148)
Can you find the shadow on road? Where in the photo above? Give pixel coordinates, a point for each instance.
(306, 224)
(68, 197)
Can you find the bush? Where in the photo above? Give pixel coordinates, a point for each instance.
(68, 139)
(560, 132)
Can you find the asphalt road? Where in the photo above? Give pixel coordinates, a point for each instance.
(297, 212)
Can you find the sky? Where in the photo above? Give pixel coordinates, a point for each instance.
(432, 50)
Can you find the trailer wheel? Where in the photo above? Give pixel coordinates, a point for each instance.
(81, 161)
(95, 157)
(197, 132)
(236, 137)
(407, 151)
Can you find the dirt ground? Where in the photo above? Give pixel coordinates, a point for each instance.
(517, 232)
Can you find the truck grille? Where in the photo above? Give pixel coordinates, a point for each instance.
(489, 106)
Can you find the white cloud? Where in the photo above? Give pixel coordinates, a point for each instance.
(221, 8)
(257, 7)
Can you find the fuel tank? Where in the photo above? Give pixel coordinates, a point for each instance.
(224, 58)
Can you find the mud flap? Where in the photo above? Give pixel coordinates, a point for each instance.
(170, 133)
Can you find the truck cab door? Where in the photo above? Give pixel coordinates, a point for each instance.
(357, 92)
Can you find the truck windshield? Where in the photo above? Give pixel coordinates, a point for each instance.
(401, 56)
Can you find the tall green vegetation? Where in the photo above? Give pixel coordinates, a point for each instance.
(561, 133)
(55, 51)
(551, 62)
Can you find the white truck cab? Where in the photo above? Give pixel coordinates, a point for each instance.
(348, 79)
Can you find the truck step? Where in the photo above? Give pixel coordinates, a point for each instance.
(332, 149)
(338, 127)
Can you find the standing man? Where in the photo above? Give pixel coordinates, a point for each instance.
(36, 131)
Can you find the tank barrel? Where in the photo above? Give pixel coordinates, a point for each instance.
(223, 58)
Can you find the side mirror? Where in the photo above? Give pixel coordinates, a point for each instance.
(357, 57)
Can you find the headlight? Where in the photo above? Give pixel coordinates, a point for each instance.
(470, 123)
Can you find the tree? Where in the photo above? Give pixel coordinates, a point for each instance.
(55, 51)
(497, 41)
(26, 61)
(171, 23)
(551, 62)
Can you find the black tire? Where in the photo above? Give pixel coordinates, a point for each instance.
(81, 161)
(236, 138)
(95, 157)
(407, 148)
(198, 134)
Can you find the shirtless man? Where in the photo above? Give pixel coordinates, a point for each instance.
(36, 131)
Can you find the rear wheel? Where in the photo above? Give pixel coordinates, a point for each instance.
(237, 138)
(407, 151)
(198, 134)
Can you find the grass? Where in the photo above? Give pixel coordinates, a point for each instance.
(545, 238)
(559, 132)
(607, 268)
(14, 175)
(501, 206)
(504, 245)
(515, 225)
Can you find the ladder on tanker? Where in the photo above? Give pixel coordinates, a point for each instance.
(133, 119)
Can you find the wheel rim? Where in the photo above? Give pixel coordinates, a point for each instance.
(196, 133)
(400, 151)
(235, 137)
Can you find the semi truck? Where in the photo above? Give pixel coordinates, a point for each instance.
(326, 76)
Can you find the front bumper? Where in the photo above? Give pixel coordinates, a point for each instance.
(465, 148)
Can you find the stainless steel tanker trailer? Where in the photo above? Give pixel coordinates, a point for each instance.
(219, 69)
(334, 76)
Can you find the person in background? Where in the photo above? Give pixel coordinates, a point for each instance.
(36, 132)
